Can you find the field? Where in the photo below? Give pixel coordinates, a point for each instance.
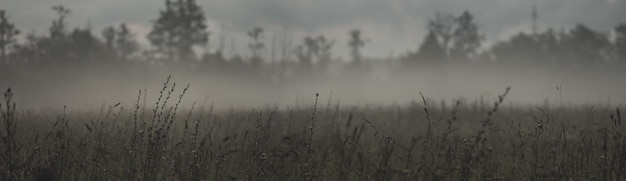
(156, 140)
(312, 90)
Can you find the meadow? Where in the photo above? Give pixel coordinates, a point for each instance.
(158, 139)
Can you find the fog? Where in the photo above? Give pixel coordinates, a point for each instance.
(281, 53)
(92, 89)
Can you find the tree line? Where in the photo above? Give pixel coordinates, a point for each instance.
(181, 28)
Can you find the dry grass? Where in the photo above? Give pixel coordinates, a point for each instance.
(319, 142)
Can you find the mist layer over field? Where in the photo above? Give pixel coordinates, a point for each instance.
(80, 87)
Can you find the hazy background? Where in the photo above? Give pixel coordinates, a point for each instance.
(78, 68)
(393, 26)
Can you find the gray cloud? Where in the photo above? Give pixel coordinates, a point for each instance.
(392, 25)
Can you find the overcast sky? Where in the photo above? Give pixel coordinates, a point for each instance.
(392, 26)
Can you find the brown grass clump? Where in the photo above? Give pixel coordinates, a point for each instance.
(331, 142)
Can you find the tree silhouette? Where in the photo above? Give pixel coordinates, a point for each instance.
(585, 46)
(84, 46)
(580, 46)
(314, 49)
(304, 54)
(549, 42)
(307, 51)
(521, 48)
(537, 49)
(29, 52)
(120, 42)
(355, 44)
(126, 43)
(449, 37)
(443, 27)
(8, 32)
(62, 47)
(58, 28)
(179, 28)
(324, 55)
(256, 45)
(109, 39)
(466, 37)
(431, 51)
(56, 47)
